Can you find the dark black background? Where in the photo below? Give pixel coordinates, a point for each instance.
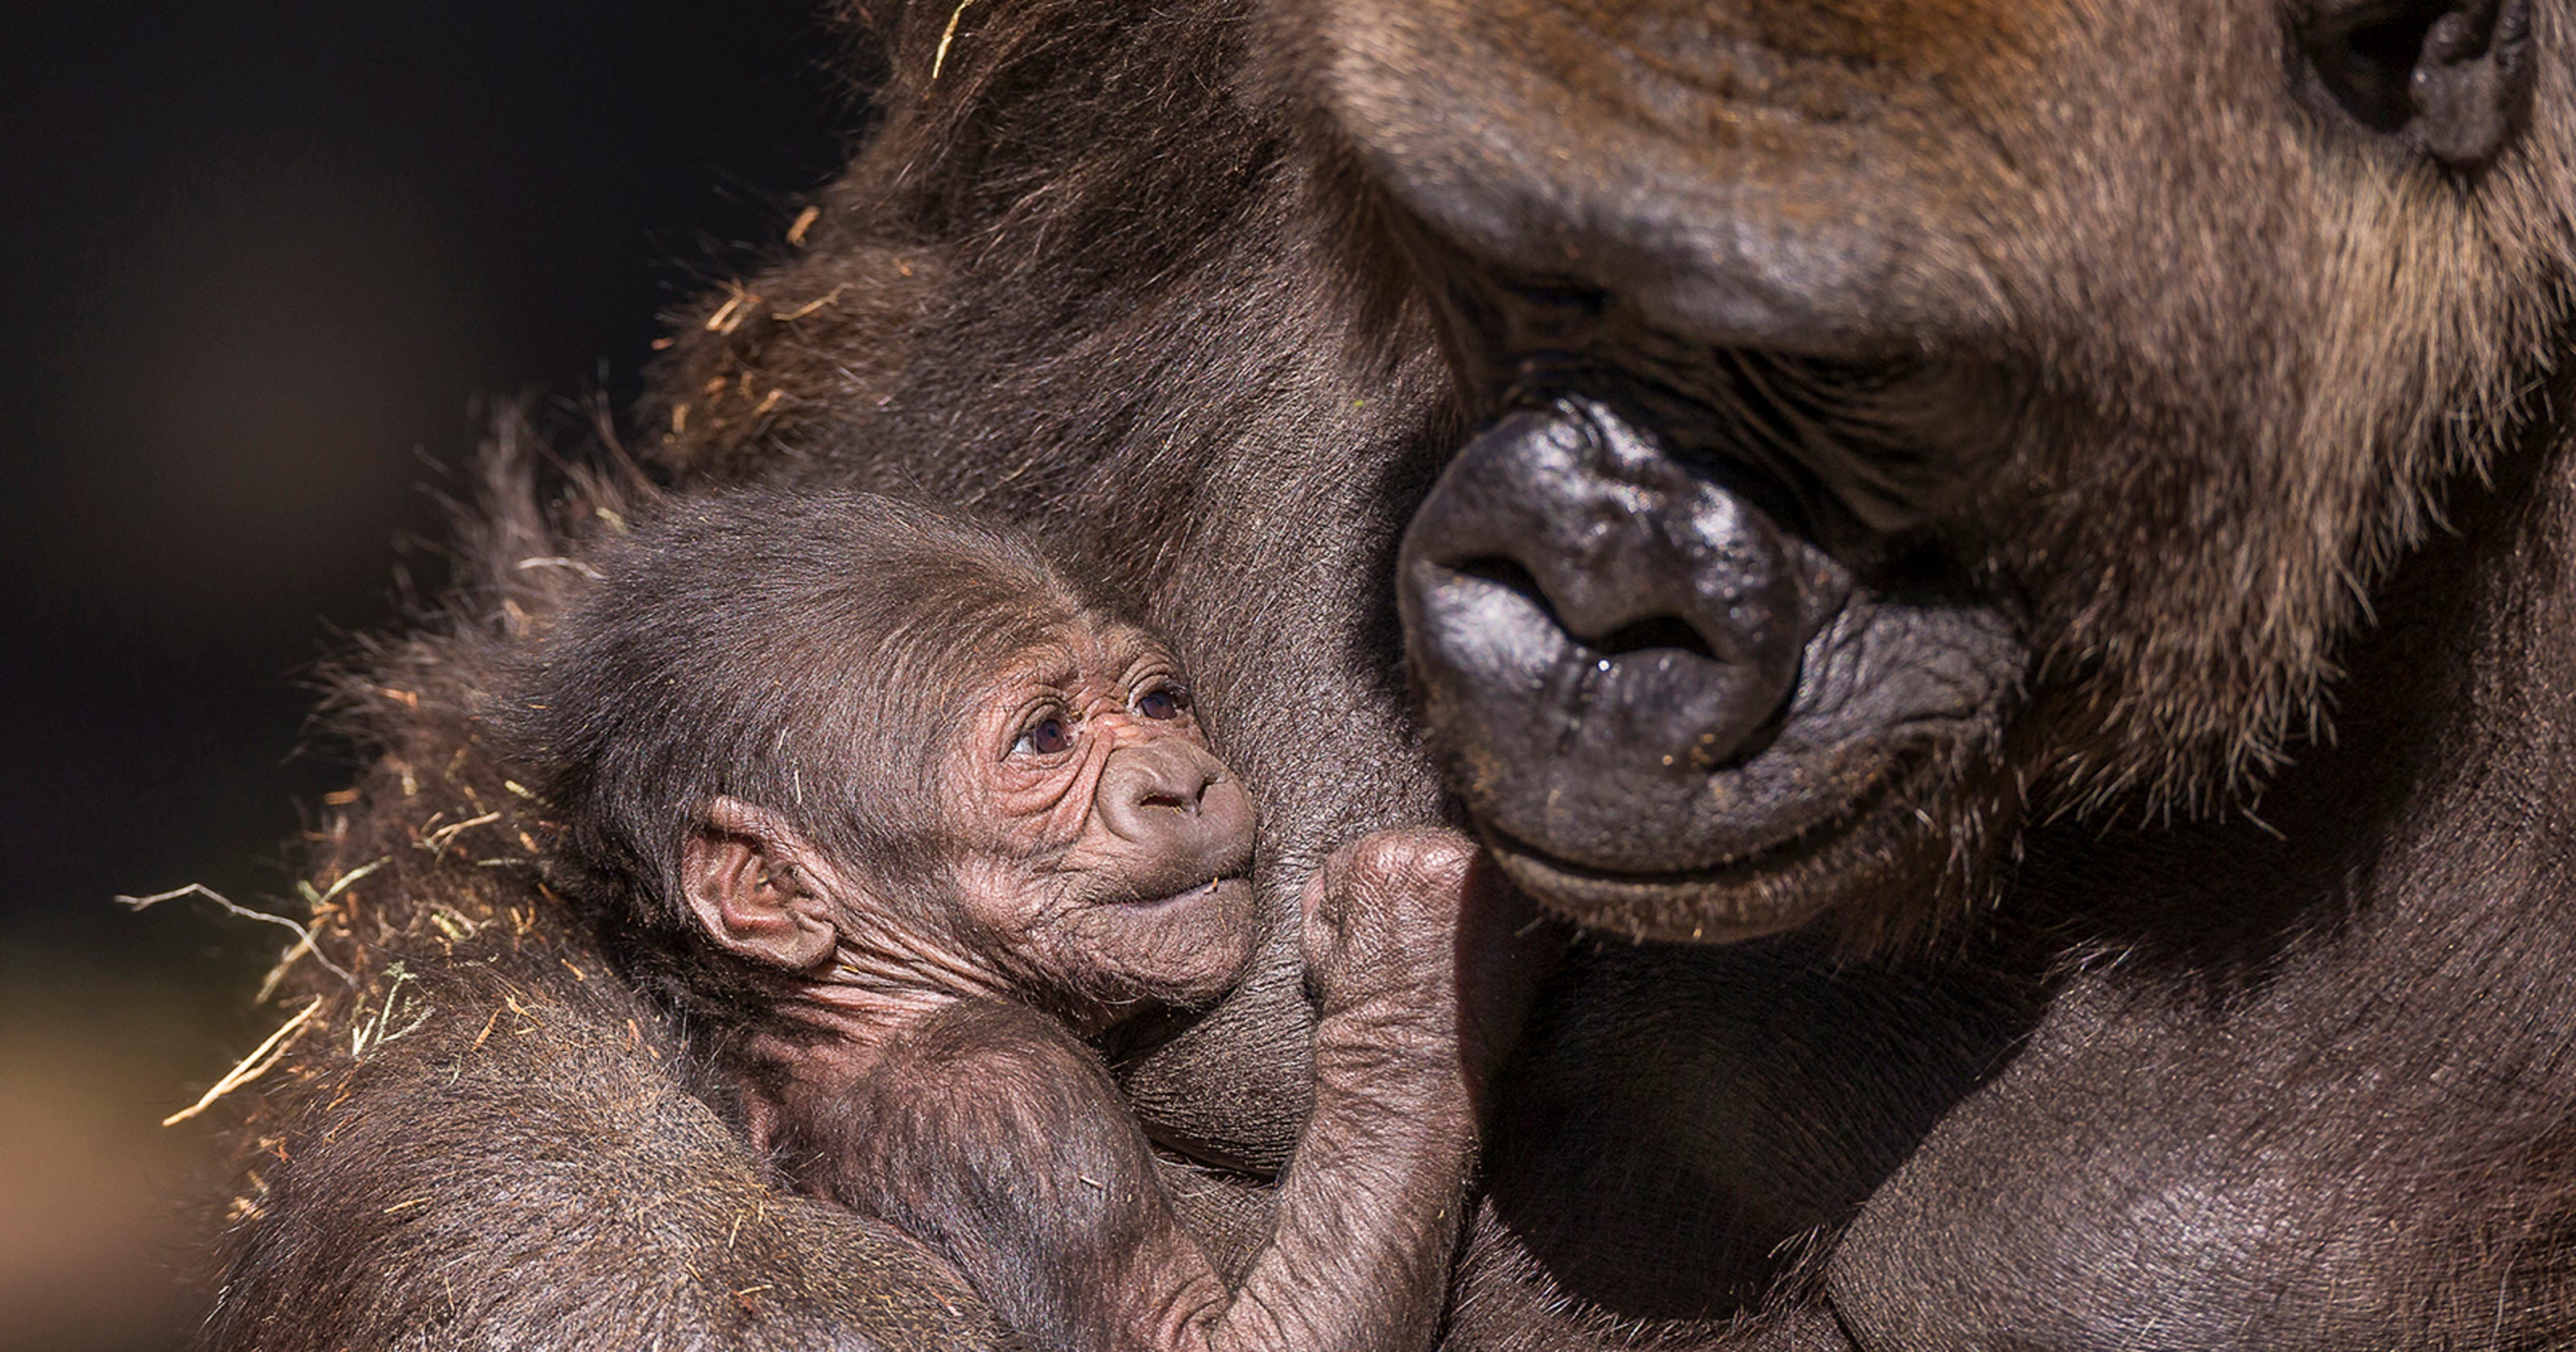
(257, 266)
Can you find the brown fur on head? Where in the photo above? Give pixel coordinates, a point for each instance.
(771, 647)
(2312, 330)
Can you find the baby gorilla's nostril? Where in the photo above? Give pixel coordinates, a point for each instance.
(1170, 798)
(1159, 790)
(1185, 819)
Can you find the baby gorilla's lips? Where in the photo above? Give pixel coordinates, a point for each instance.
(1214, 889)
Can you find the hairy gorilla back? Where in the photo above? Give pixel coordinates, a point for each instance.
(1182, 286)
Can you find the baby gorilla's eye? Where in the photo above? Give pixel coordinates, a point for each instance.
(1045, 737)
(1162, 702)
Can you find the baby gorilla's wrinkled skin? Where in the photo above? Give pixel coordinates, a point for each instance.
(1097, 856)
(926, 1067)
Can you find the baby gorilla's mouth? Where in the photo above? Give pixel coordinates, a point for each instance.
(1204, 891)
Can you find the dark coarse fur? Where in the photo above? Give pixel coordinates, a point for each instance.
(2302, 1082)
(778, 648)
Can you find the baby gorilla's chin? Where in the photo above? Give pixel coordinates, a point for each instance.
(1186, 949)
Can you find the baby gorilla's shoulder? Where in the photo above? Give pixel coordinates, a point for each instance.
(1001, 1090)
(993, 1053)
(989, 1129)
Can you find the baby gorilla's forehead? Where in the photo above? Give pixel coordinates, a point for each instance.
(1086, 651)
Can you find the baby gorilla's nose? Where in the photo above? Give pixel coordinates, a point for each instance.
(1178, 801)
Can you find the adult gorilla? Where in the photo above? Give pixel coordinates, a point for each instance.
(1860, 428)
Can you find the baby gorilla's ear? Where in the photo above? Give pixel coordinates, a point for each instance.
(754, 882)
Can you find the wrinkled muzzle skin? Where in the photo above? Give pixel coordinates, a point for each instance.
(1894, 417)
(1651, 691)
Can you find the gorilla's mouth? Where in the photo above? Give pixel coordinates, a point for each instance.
(1698, 904)
(1669, 710)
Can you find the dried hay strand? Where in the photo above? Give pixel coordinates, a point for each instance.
(433, 856)
(250, 1067)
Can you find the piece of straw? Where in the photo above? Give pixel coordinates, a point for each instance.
(939, 59)
(303, 933)
(250, 1067)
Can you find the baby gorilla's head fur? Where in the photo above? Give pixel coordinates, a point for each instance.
(834, 750)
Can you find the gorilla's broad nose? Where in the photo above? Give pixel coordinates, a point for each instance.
(1597, 628)
(1172, 796)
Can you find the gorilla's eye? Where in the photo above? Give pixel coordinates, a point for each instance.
(1045, 737)
(1162, 702)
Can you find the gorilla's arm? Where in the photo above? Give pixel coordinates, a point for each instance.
(990, 1134)
(986, 1131)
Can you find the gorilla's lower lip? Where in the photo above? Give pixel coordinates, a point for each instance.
(1667, 906)
(1717, 903)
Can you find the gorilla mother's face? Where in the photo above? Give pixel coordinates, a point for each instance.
(1895, 411)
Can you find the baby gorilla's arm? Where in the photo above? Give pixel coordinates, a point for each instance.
(1421, 982)
(988, 1132)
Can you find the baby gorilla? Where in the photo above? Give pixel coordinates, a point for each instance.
(895, 813)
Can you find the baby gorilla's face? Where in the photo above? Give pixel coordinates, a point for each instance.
(1107, 853)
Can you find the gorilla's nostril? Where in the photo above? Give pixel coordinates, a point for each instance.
(1502, 572)
(1165, 790)
(1663, 631)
